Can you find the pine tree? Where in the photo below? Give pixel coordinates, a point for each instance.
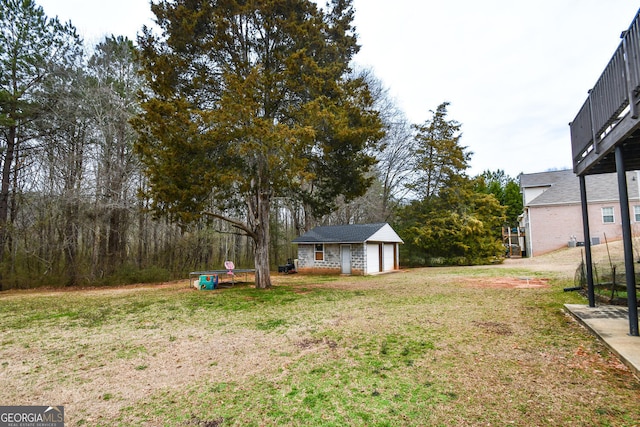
(32, 49)
(439, 158)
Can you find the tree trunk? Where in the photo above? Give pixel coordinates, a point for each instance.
(261, 241)
(12, 215)
(97, 255)
(142, 256)
(4, 192)
(309, 219)
(115, 238)
(70, 242)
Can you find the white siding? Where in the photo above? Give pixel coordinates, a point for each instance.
(533, 192)
(385, 234)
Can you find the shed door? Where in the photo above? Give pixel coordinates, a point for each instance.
(389, 256)
(373, 258)
(345, 257)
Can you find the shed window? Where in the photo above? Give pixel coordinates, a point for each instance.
(319, 252)
(607, 215)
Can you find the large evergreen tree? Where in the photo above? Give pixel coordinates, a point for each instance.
(251, 100)
(450, 221)
(459, 226)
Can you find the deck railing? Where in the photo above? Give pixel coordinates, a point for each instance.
(609, 100)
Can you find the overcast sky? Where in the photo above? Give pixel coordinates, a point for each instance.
(515, 72)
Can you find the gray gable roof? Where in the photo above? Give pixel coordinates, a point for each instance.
(544, 179)
(352, 233)
(564, 187)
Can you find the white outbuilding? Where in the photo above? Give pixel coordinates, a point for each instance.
(358, 249)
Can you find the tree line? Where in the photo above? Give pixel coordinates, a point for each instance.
(236, 128)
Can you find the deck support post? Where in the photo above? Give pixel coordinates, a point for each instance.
(632, 301)
(587, 241)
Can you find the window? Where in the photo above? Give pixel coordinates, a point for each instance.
(607, 216)
(636, 213)
(319, 252)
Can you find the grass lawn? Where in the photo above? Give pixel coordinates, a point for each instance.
(474, 346)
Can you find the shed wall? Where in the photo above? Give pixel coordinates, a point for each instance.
(332, 259)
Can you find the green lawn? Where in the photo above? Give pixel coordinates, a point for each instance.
(425, 347)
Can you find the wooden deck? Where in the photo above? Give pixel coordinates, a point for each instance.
(609, 116)
(605, 137)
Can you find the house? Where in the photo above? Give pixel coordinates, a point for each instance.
(552, 216)
(358, 249)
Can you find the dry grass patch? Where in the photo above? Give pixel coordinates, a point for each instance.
(508, 282)
(441, 346)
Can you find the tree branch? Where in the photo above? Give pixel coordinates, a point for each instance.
(235, 223)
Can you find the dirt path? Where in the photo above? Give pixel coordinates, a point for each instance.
(566, 261)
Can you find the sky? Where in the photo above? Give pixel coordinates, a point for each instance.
(515, 73)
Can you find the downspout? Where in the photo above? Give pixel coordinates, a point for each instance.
(529, 233)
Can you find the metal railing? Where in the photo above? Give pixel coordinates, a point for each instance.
(615, 91)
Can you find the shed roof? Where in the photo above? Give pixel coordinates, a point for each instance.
(351, 233)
